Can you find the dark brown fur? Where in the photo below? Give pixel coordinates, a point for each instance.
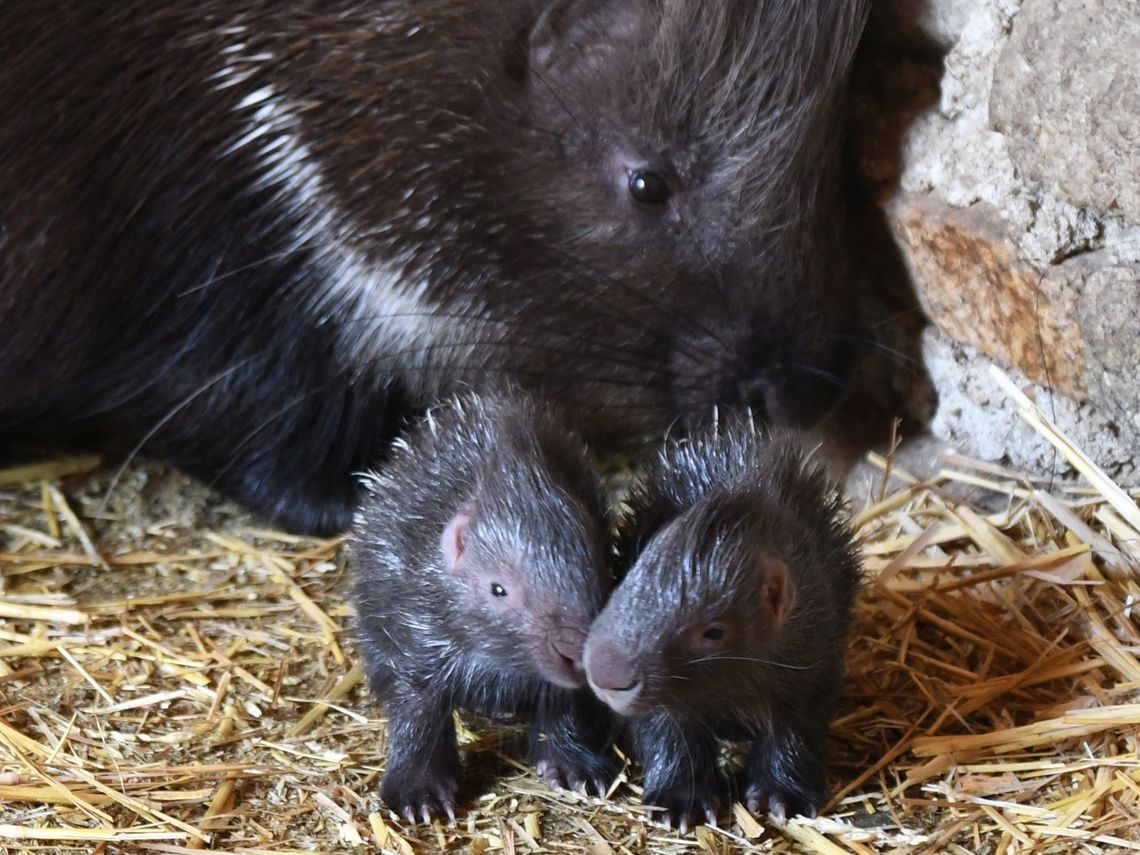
(251, 236)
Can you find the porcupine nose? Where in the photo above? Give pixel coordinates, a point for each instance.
(796, 396)
(613, 676)
(571, 654)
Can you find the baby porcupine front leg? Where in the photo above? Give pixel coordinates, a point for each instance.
(570, 738)
(423, 770)
(681, 770)
(785, 775)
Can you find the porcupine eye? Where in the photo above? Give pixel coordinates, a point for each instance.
(648, 188)
(498, 590)
(706, 642)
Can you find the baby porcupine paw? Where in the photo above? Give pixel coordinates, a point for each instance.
(583, 770)
(421, 794)
(781, 802)
(684, 804)
(786, 773)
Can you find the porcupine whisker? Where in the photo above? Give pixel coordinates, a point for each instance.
(896, 356)
(171, 413)
(636, 321)
(658, 306)
(826, 376)
(216, 278)
(630, 355)
(302, 398)
(756, 659)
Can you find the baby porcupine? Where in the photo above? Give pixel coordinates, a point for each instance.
(481, 562)
(729, 620)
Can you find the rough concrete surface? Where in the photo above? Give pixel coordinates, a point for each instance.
(978, 418)
(1066, 94)
(1015, 200)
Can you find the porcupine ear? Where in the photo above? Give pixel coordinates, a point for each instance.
(777, 592)
(453, 542)
(574, 37)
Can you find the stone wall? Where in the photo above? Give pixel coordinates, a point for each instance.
(1002, 138)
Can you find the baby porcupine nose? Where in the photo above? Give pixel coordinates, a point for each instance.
(613, 676)
(560, 658)
(571, 653)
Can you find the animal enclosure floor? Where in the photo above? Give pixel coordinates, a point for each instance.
(174, 679)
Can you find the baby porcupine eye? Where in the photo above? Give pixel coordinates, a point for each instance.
(648, 187)
(706, 639)
(714, 632)
(498, 590)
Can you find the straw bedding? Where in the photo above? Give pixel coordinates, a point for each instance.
(173, 679)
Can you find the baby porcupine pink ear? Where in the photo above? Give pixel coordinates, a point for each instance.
(453, 542)
(777, 590)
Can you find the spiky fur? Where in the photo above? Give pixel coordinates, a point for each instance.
(428, 642)
(699, 526)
